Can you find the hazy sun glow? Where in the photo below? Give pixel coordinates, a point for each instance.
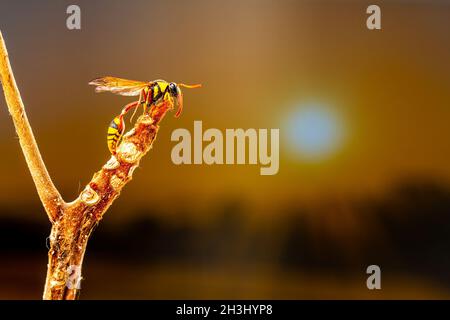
(313, 131)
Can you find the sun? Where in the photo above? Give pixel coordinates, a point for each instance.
(313, 132)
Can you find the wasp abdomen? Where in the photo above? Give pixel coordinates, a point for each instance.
(115, 133)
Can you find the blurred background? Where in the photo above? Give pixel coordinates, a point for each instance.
(364, 148)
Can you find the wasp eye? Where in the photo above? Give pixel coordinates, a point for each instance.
(173, 88)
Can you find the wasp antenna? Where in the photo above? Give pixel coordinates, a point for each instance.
(190, 86)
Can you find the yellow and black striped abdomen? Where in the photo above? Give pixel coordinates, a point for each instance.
(115, 132)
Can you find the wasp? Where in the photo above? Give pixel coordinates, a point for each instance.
(151, 93)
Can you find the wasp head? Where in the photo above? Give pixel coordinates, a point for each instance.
(177, 95)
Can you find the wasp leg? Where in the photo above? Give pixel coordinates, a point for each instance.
(140, 101)
(148, 100)
(128, 107)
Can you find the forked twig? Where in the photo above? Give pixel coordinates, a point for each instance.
(72, 223)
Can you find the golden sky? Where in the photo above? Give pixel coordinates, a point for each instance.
(260, 63)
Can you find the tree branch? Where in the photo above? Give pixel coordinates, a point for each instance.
(49, 195)
(70, 235)
(73, 223)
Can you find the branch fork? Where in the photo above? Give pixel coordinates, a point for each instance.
(73, 223)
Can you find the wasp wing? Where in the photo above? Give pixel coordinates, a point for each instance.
(123, 87)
